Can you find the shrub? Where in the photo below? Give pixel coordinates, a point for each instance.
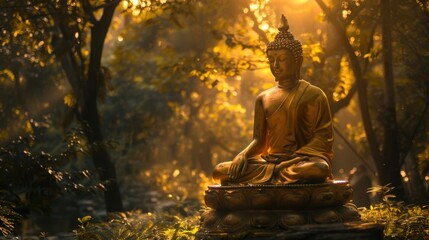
(400, 221)
(177, 180)
(8, 217)
(177, 183)
(136, 225)
(31, 179)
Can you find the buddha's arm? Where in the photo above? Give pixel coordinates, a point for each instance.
(317, 118)
(256, 147)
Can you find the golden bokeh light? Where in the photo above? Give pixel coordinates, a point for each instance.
(264, 26)
(301, 1)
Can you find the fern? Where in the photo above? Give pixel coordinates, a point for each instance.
(401, 221)
(8, 217)
(137, 225)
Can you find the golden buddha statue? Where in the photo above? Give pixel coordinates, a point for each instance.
(292, 135)
(292, 143)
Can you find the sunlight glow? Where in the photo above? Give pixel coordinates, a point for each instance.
(136, 12)
(253, 7)
(134, 2)
(346, 13)
(300, 1)
(137, 6)
(176, 172)
(125, 4)
(264, 26)
(216, 49)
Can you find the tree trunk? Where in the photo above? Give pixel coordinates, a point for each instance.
(90, 114)
(361, 86)
(390, 155)
(16, 70)
(101, 158)
(417, 191)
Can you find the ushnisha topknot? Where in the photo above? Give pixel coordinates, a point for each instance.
(285, 40)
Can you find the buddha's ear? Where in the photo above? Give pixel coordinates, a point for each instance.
(299, 62)
(298, 68)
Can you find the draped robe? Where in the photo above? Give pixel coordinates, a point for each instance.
(301, 125)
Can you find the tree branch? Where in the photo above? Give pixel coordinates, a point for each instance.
(107, 4)
(344, 102)
(336, 106)
(355, 13)
(354, 151)
(88, 10)
(415, 132)
(361, 83)
(256, 28)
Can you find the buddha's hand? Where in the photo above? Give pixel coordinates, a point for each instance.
(238, 166)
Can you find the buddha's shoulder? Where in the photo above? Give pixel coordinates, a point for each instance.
(267, 93)
(312, 90)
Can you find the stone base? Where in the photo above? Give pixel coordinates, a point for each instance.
(336, 231)
(236, 224)
(270, 211)
(278, 197)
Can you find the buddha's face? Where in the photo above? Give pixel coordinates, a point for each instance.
(282, 63)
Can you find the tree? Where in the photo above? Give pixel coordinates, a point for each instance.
(410, 39)
(349, 19)
(33, 179)
(198, 79)
(75, 31)
(390, 154)
(86, 76)
(68, 22)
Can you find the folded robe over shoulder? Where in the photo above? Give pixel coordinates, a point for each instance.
(301, 125)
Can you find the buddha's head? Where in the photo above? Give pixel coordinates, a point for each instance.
(285, 54)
